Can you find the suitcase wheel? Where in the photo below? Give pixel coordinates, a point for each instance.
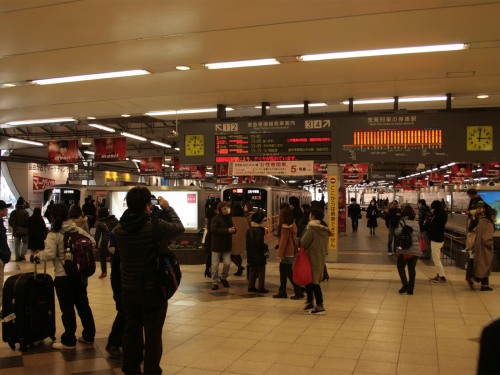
(12, 345)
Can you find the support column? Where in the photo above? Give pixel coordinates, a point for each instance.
(334, 182)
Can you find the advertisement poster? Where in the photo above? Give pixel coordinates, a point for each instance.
(459, 173)
(333, 212)
(110, 149)
(63, 151)
(342, 210)
(151, 166)
(355, 173)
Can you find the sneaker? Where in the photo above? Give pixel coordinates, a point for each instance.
(83, 341)
(438, 279)
(280, 295)
(61, 346)
(225, 283)
(215, 287)
(297, 296)
(113, 351)
(390, 253)
(318, 310)
(485, 288)
(309, 306)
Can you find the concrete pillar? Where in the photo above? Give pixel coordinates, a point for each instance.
(334, 182)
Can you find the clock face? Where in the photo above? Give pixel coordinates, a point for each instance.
(480, 138)
(195, 145)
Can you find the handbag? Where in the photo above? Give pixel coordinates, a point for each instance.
(302, 272)
(422, 243)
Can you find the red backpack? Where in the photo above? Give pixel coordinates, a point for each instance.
(79, 257)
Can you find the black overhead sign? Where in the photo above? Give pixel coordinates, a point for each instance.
(434, 136)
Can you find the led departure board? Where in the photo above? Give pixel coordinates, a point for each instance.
(273, 146)
(394, 139)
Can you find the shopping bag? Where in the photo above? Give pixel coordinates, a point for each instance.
(302, 273)
(422, 243)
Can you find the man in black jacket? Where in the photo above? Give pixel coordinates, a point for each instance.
(4, 246)
(144, 301)
(354, 212)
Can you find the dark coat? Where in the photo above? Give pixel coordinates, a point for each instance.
(37, 231)
(104, 226)
(138, 252)
(371, 215)
(18, 221)
(221, 238)
(256, 245)
(4, 245)
(354, 211)
(435, 226)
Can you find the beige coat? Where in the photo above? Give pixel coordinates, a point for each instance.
(483, 248)
(239, 245)
(81, 222)
(287, 245)
(315, 241)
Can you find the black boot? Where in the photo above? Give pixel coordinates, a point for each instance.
(240, 271)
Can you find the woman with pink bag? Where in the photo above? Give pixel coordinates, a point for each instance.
(315, 242)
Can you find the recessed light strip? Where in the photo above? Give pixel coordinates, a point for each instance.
(102, 127)
(241, 64)
(130, 135)
(384, 52)
(28, 142)
(41, 121)
(184, 111)
(90, 77)
(166, 145)
(301, 105)
(400, 100)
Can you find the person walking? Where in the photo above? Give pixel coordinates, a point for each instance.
(287, 247)
(104, 226)
(143, 298)
(238, 246)
(37, 231)
(315, 242)
(76, 216)
(424, 213)
(89, 210)
(18, 221)
(222, 229)
(256, 254)
(408, 256)
(5, 253)
(435, 228)
(372, 214)
(483, 250)
(354, 212)
(391, 222)
(209, 215)
(71, 291)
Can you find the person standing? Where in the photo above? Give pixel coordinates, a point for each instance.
(424, 213)
(372, 215)
(304, 220)
(256, 254)
(105, 225)
(76, 216)
(471, 209)
(354, 212)
(144, 300)
(483, 248)
(4, 245)
(295, 207)
(391, 222)
(37, 231)
(209, 215)
(408, 257)
(89, 210)
(315, 242)
(48, 211)
(249, 211)
(238, 246)
(18, 221)
(71, 290)
(222, 231)
(287, 247)
(435, 228)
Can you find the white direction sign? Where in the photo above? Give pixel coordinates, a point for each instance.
(276, 168)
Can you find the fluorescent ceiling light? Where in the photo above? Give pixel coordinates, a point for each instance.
(483, 96)
(400, 100)
(384, 52)
(89, 152)
(41, 121)
(241, 64)
(184, 111)
(183, 67)
(161, 144)
(9, 85)
(102, 127)
(90, 77)
(177, 149)
(130, 135)
(26, 141)
(136, 160)
(300, 105)
(91, 118)
(125, 115)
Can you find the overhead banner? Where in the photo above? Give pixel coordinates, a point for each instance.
(81, 175)
(63, 151)
(279, 168)
(110, 149)
(151, 166)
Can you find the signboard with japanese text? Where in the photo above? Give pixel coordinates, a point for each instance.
(110, 149)
(41, 183)
(265, 168)
(333, 212)
(63, 151)
(41, 176)
(81, 175)
(342, 210)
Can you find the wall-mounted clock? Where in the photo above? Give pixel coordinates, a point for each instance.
(194, 144)
(480, 138)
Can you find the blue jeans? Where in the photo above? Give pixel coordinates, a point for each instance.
(226, 261)
(392, 241)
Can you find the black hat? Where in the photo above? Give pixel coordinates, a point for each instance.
(4, 205)
(258, 217)
(20, 201)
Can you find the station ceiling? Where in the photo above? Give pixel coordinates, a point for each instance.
(54, 38)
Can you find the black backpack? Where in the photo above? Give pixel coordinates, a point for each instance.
(405, 235)
(79, 255)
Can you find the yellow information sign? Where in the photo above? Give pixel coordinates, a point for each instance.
(333, 205)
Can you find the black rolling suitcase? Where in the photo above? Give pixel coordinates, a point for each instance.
(28, 314)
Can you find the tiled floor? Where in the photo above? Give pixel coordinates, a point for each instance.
(368, 328)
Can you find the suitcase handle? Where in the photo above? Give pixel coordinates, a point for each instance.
(44, 268)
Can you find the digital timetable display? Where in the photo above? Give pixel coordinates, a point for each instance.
(395, 139)
(263, 146)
